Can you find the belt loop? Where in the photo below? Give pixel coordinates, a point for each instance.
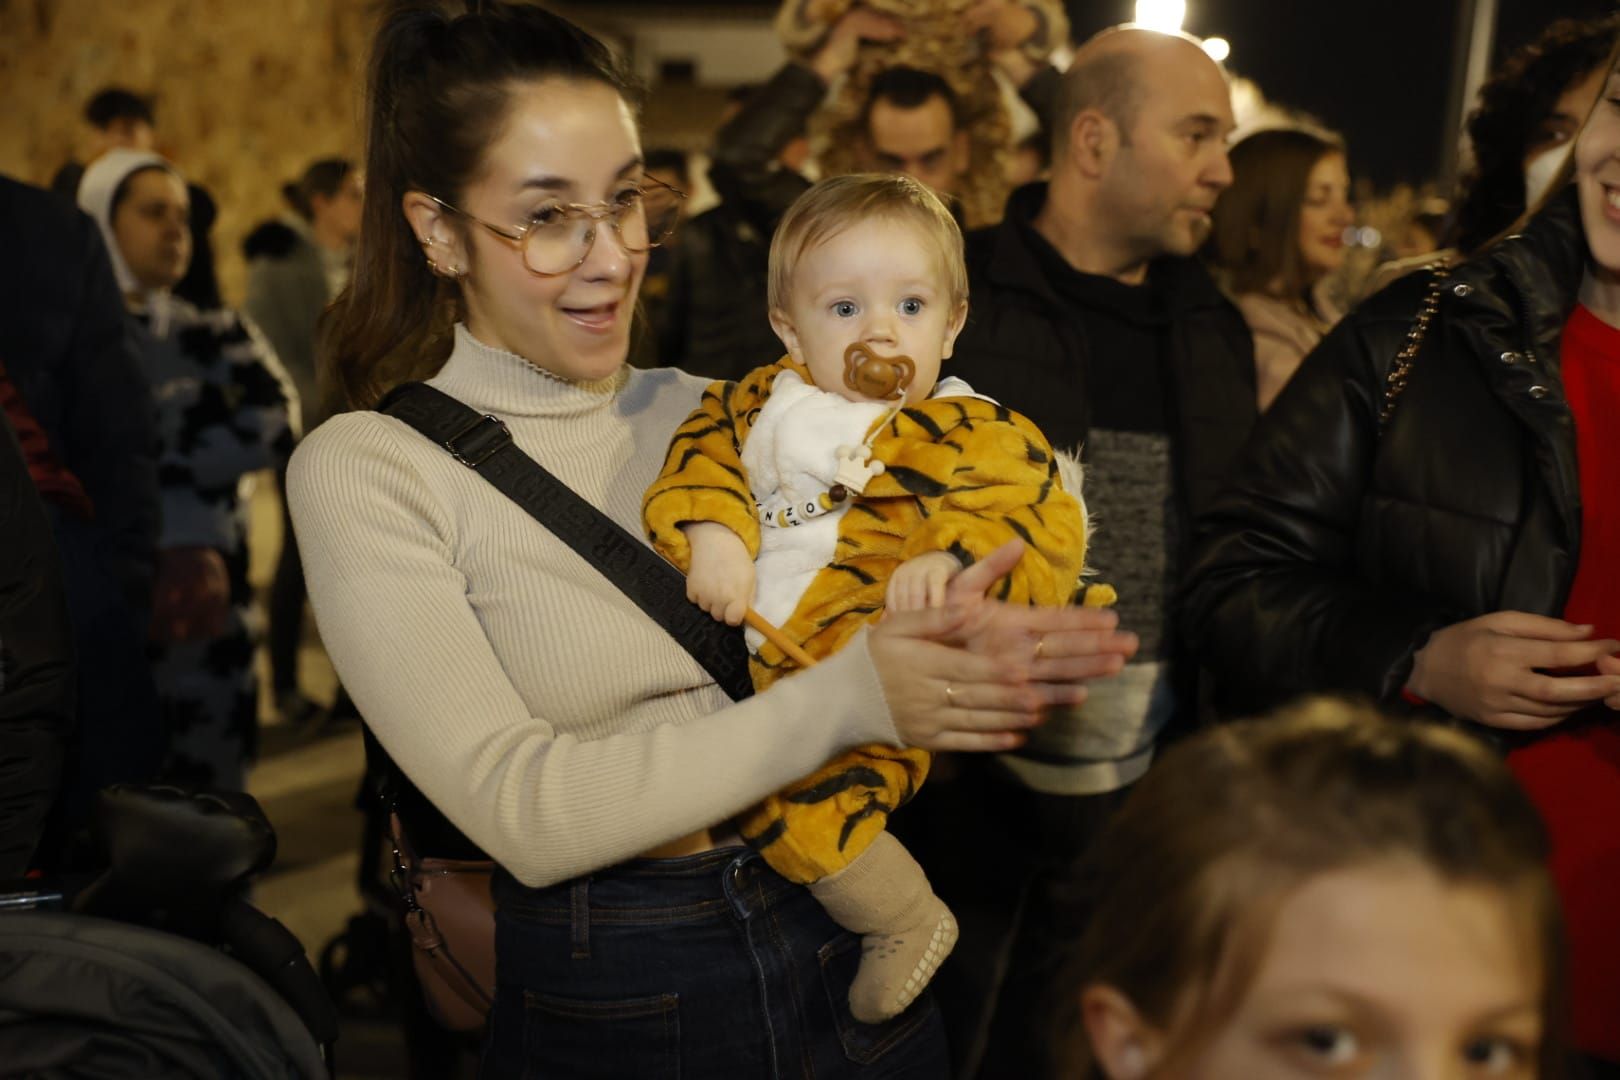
(579, 923)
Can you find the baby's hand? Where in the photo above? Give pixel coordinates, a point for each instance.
(721, 579)
(919, 582)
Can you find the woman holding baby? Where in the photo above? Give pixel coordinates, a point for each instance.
(504, 240)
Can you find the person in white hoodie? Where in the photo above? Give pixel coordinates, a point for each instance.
(222, 405)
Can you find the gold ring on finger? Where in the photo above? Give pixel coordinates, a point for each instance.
(1040, 643)
(950, 694)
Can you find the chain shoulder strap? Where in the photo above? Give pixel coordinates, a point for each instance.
(1401, 371)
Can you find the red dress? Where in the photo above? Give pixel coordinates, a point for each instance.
(1573, 775)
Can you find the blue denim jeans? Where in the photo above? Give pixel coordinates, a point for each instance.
(710, 965)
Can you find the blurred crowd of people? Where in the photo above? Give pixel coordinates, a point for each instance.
(1148, 277)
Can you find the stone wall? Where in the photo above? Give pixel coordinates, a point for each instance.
(246, 93)
(249, 92)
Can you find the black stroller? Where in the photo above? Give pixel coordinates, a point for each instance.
(159, 967)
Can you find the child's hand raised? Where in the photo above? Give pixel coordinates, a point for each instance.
(721, 579)
(919, 583)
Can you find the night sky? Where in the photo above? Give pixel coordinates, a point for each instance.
(1377, 71)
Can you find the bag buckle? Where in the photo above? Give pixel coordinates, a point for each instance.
(402, 874)
(479, 441)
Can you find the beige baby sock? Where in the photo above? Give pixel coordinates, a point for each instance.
(906, 931)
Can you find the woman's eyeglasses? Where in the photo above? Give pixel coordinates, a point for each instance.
(559, 236)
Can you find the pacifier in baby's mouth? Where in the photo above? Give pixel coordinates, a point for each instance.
(881, 378)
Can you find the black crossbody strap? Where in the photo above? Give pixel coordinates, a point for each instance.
(483, 444)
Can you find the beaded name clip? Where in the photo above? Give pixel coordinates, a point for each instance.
(882, 377)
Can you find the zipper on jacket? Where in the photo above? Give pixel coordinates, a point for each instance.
(1568, 502)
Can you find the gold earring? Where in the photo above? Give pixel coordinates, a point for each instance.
(454, 273)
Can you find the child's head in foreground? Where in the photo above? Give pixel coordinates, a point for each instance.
(874, 259)
(1325, 892)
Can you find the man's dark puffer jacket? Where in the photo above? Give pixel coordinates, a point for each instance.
(1334, 552)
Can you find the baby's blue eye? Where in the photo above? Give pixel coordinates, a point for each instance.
(844, 309)
(911, 306)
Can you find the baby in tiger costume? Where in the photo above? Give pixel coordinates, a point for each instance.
(841, 481)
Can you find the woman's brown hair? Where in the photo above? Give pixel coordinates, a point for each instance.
(1566, 174)
(323, 177)
(438, 91)
(1183, 888)
(1254, 241)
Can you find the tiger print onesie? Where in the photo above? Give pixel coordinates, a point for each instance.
(962, 475)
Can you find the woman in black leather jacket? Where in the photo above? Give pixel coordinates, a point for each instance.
(1465, 553)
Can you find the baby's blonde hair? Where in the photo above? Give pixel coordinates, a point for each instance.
(840, 202)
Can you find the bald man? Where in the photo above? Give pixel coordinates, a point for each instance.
(1089, 314)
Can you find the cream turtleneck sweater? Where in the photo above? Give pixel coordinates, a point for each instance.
(536, 706)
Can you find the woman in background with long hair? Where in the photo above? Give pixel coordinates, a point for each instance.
(1278, 236)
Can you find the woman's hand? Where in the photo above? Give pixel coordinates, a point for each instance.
(1491, 670)
(1064, 645)
(1610, 665)
(1007, 23)
(837, 54)
(977, 674)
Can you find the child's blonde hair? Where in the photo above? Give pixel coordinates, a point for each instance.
(840, 202)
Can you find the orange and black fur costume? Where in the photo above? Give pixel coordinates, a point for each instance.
(962, 475)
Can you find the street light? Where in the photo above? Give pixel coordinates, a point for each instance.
(1165, 16)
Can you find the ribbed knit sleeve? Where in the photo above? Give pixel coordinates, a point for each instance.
(401, 602)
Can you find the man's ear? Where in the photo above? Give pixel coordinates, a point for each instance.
(442, 243)
(953, 328)
(1124, 1044)
(784, 330)
(1093, 142)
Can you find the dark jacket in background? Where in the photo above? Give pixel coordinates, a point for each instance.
(1336, 552)
(36, 663)
(68, 348)
(715, 318)
(1026, 347)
